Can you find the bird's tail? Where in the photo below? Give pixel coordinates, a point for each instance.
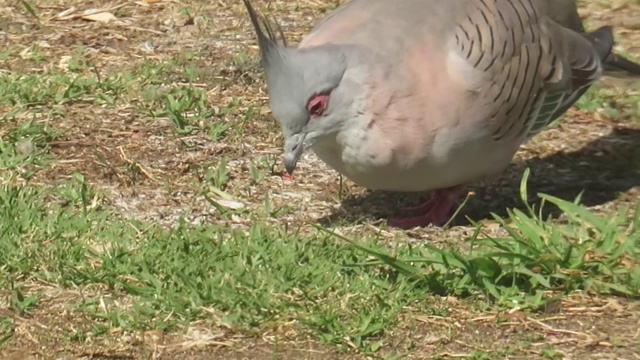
(613, 64)
(617, 65)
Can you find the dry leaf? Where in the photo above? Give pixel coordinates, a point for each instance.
(64, 62)
(230, 204)
(103, 17)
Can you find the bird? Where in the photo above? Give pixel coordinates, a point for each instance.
(428, 95)
(565, 13)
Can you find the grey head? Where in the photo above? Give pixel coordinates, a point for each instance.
(307, 92)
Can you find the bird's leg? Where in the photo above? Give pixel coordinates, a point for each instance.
(425, 206)
(435, 211)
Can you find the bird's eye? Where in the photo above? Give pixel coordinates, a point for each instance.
(317, 105)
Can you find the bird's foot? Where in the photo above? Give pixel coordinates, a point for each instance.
(422, 208)
(436, 211)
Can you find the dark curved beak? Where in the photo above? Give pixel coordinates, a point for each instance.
(293, 149)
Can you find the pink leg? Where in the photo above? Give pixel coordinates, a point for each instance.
(435, 211)
(425, 206)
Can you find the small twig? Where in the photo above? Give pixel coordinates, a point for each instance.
(69, 143)
(552, 329)
(554, 318)
(137, 165)
(482, 318)
(455, 355)
(438, 320)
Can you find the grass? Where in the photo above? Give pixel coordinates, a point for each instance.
(584, 252)
(261, 278)
(252, 280)
(141, 194)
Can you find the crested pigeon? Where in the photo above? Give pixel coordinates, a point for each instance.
(427, 95)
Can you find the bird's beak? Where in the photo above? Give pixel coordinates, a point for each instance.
(293, 148)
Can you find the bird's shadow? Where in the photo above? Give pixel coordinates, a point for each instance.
(601, 171)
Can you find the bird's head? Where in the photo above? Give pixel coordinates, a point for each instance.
(307, 92)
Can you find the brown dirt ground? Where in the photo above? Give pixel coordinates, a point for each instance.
(583, 152)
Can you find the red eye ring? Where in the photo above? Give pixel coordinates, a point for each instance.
(317, 105)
